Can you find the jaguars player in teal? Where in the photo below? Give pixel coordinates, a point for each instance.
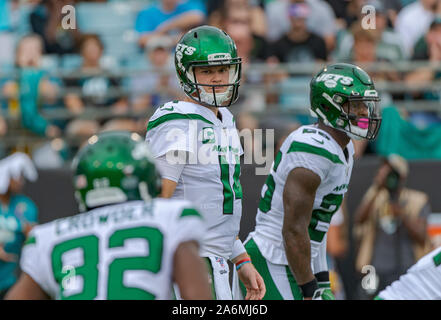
(127, 245)
(307, 182)
(18, 214)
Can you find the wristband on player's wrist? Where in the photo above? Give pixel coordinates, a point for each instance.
(323, 279)
(240, 263)
(238, 249)
(309, 288)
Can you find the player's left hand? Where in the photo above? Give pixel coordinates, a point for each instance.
(252, 281)
(323, 294)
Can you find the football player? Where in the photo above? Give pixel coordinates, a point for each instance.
(307, 182)
(197, 148)
(421, 282)
(128, 245)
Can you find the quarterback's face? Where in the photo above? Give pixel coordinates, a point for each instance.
(215, 75)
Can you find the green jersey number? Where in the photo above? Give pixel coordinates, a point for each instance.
(230, 193)
(265, 201)
(89, 246)
(328, 207)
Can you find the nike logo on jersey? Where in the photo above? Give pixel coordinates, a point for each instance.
(167, 109)
(321, 142)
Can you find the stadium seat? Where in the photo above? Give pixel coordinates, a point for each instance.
(103, 18)
(70, 62)
(24, 24)
(295, 93)
(50, 62)
(114, 22)
(137, 61)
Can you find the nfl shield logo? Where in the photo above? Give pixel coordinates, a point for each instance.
(220, 261)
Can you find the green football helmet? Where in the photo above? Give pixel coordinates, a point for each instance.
(114, 167)
(343, 96)
(207, 46)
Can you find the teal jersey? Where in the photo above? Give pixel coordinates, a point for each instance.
(13, 219)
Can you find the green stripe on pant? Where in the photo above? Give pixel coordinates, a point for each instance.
(260, 263)
(210, 274)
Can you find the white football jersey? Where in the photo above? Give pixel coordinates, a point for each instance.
(421, 282)
(122, 251)
(314, 149)
(210, 178)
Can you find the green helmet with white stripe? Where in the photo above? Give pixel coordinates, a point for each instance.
(114, 167)
(207, 46)
(343, 96)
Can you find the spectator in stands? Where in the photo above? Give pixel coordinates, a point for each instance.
(7, 36)
(299, 44)
(255, 15)
(46, 20)
(390, 47)
(34, 89)
(392, 8)
(18, 214)
(238, 23)
(391, 223)
(320, 21)
(3, 131)
(349, 12)
(160, 85)
(170, 17)
(364, 50)
(3, 126)
(428, 48)
(365, 53)
(98, 89)
(414, 20)
(252, 48)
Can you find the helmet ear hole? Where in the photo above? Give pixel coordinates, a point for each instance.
(325, 107)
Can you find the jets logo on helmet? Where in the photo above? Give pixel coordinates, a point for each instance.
(343, 96)
(208, 46)
(331, 80)
(182, 49)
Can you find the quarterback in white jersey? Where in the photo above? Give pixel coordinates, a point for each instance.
(210, 176)
(127, 246)
(307, 183)
(197, 148)
(421, 282)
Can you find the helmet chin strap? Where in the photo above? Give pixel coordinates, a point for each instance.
(356, 132)
(353, 136)
(221, 98)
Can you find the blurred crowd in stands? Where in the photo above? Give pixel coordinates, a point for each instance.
(65, 75)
